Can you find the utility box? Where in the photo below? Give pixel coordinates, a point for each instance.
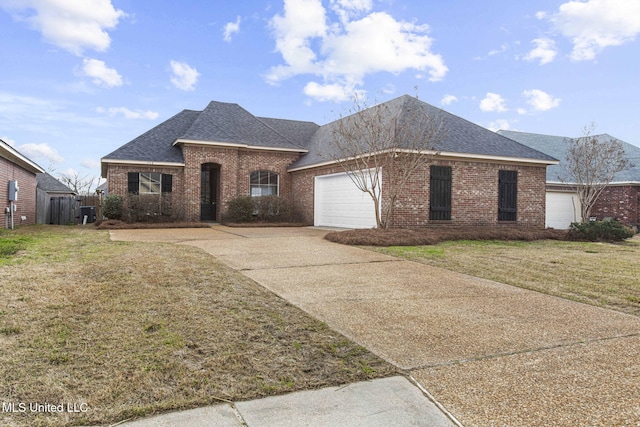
(13, 191)
(89, 212)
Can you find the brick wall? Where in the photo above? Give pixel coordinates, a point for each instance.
(235, 167)
(474, 200)
(619, 202)
(26, 203)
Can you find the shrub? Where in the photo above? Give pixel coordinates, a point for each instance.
(152, 208)
(240, 209)
(260, 209)
(608, 231)
(112, 207)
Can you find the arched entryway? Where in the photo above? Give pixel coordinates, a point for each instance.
(209, 191)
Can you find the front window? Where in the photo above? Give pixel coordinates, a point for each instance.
(150, 183)
(263, 183)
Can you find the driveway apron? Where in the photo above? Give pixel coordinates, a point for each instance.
(492, 354)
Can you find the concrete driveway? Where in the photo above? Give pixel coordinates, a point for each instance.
(492, 354)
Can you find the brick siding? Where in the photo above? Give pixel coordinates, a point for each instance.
(620, 202)
(235, 167)
(474, 198)
(26, 203)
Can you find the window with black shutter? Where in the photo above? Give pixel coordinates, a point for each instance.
(440, 193)
(507, 195)
(149, 183)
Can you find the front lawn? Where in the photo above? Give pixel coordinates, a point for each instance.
(117, 330)
(602, 274)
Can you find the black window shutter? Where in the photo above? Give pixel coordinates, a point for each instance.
(133, 182)
(440, 193)
(167, 183)
(507, 195)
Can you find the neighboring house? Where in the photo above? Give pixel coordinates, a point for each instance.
(621, 200)
(48, 188)
(199, 160)
(16, 169)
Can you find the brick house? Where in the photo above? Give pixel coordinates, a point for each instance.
(197, 161)
(620, 200)
(16, 168)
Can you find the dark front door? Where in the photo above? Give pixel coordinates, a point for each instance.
(209, 181)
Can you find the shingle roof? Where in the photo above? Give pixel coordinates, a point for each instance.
(556, 146)
(219, 122)
(229, 123)
(50, 184)
(461, 136)
(156, 145)
(224, 122)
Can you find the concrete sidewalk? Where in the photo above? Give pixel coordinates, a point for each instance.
(382, 402)
(492, 354)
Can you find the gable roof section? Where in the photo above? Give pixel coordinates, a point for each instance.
(14, 156)
(156, 145)
(50, 184)
(556, 146)
(462, 138)
(229, 124)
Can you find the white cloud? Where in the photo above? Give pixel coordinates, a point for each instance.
(91, 164)
(40, 152)
(8, 140)
(596, 24)
(230, 29)
(540, 101)
(101, 74)
(493, 102)
(328, 92)
(184, 77)
(448, 100)
(545, 51)
(128, 114)
(343, 53)
(500, 124)
(73, 25)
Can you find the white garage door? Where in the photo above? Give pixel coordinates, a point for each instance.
(562, 209)
(339, 203)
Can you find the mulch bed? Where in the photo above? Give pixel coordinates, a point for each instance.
(121, 225)
(432, 236)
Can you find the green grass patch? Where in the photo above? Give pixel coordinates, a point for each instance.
(602, 274)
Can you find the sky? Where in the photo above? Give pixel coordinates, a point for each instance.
(80, 78)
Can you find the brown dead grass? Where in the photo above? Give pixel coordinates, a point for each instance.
(432, 236)
(133, 329)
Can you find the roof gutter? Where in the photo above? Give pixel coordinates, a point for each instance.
(441, 155)
(104, 162)
(11, 154)
(237, 145)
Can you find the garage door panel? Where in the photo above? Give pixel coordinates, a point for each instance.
(339, 203)
(563, 208)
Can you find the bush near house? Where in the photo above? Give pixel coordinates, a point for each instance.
(152, 208)
(112, 207)
(247, 209)
(595, 231)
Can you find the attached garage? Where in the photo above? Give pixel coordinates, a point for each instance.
(563, 208)
(339, 203)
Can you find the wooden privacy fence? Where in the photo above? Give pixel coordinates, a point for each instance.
(65, 210)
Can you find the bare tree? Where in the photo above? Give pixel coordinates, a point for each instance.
(592, 162)
(396, 139)
(79, 184)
